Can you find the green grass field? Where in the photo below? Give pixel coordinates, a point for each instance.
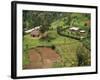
(65, 47)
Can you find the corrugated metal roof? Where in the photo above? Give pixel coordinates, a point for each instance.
(30, 30)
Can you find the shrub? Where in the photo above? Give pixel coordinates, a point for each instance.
(83, 56)
(53, 47)
(58, 64)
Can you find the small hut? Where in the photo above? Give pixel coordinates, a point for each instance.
(73, 28)
(82, 31)
(35, 33)
(33, 29)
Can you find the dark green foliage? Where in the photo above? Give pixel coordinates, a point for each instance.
(35, 18)
(53, 47)
(83, 56)
(87, 43)
(58, 64)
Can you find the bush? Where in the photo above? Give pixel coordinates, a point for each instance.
(83, 56)
(53, 47)
(58, 64)
(87, 43)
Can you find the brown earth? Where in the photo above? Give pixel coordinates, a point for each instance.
(41, 57)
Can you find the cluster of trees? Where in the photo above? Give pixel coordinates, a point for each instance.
(35, 18)
(45, 18)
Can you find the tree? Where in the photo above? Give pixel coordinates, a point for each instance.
(44, 22)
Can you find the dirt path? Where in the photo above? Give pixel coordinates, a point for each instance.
(41, 57)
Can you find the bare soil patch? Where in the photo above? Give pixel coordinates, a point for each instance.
(41, 57)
